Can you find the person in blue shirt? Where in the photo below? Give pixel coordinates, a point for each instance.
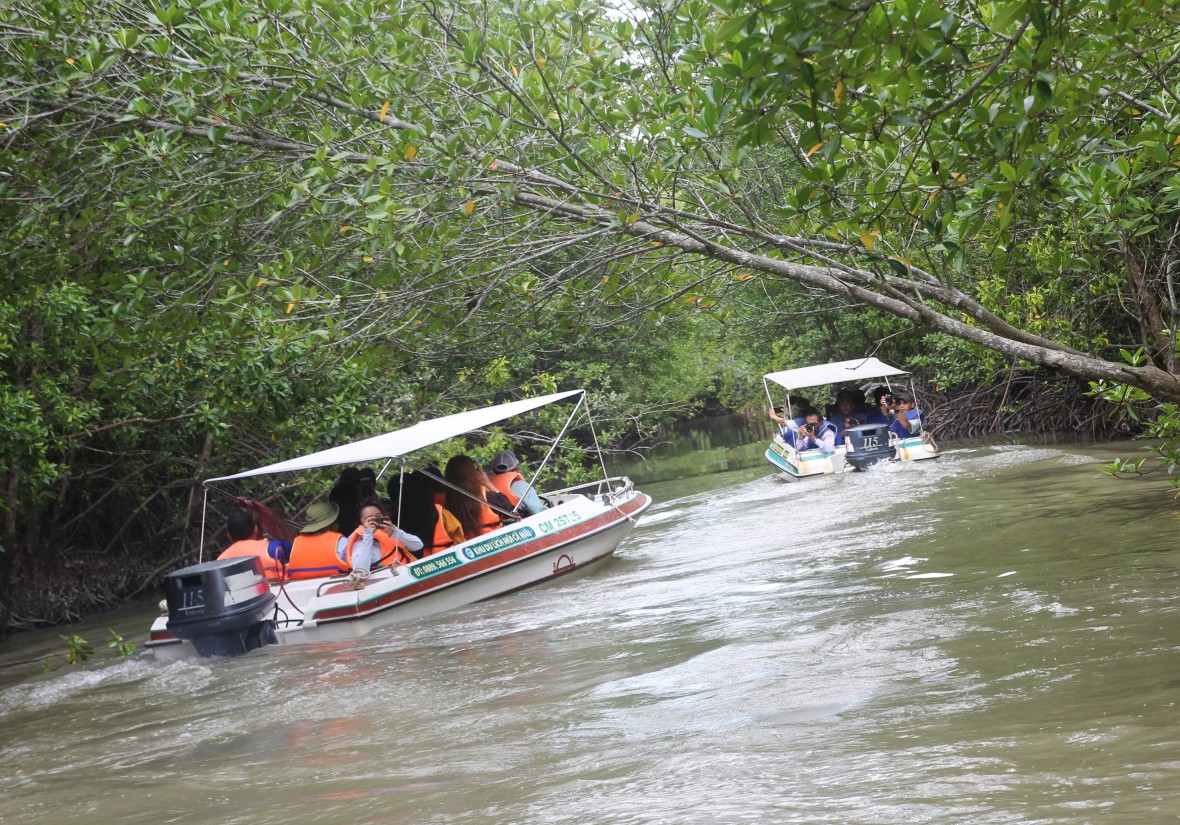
(788, 427)
(878, 412)
(846, 414)
(816, 433)
(908, 418)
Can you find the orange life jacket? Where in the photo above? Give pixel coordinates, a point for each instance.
(271, 568)
(314, 556)
(442, 539)
(503, 483)
(392, 550)
(489, 519)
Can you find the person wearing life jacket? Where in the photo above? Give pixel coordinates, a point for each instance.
(249, 541)
(505, 477)
(846, 412)
(816, 433)
(412, 497)
(467, 496)
(797, 407)
(377, 540)
(908, 418)
(319, 549)
(879, 411)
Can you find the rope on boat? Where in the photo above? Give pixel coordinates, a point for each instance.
(356, 579)
(283, 590)
(615, 506)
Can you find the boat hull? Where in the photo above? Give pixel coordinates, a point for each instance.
(571, 537)
(792, 465)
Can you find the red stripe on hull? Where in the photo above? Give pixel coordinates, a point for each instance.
(486, 564)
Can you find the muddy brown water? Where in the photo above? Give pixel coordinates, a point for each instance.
(989, 638)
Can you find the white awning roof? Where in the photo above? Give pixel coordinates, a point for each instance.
(820, 374)
(408, 440)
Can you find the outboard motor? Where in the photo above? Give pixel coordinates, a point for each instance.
(221, 606)
(866, 445)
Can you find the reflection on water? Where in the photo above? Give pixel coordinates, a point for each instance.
(986, 638)
(700, 446)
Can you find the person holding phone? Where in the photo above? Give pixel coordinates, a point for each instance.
(377, 540)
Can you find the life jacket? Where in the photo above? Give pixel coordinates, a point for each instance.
(392, 550)
(902, 430)
(314, 556)
(442, 539)
(489, 520)
(272, 568)
(857, 417)
(825, 427)
(503, 483)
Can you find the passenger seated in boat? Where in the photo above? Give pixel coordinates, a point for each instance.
(816, 433)
(846, 412)
(908, 418)
(469, 503)
(378, 541)
(440, 490)
(797, 406)
(248, 540)
(879, 411)
(345, 495)
(413, 501)
(505, 477)
(320, 549)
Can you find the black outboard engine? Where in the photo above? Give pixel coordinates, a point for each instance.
(866, 445)
(221, 606)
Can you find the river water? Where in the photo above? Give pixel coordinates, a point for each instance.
(989, 638)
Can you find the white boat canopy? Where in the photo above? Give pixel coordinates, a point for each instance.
(407, 440)
(822, 374)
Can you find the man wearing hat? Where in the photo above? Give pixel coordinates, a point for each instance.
(908, 417)
(505, 477)
(318, 550)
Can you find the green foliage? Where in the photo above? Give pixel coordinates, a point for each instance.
(78, 650)
(1164, 426)
(123, 648)
(236, 232)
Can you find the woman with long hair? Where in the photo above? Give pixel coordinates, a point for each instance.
(471, 509)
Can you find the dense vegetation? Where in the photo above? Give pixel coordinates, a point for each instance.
(233, 232)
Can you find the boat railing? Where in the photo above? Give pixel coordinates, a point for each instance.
(605, 490)
(341, 579)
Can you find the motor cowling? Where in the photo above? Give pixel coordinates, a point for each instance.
(867, 444)
(221, 606)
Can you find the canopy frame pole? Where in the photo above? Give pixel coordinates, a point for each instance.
(204, 509)
(461, 491)
(401, 479)
(385, 467)
(769, 397)
(557, 440)
(594, 437)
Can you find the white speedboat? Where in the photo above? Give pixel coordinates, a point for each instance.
(864, 445)
(226, 606)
